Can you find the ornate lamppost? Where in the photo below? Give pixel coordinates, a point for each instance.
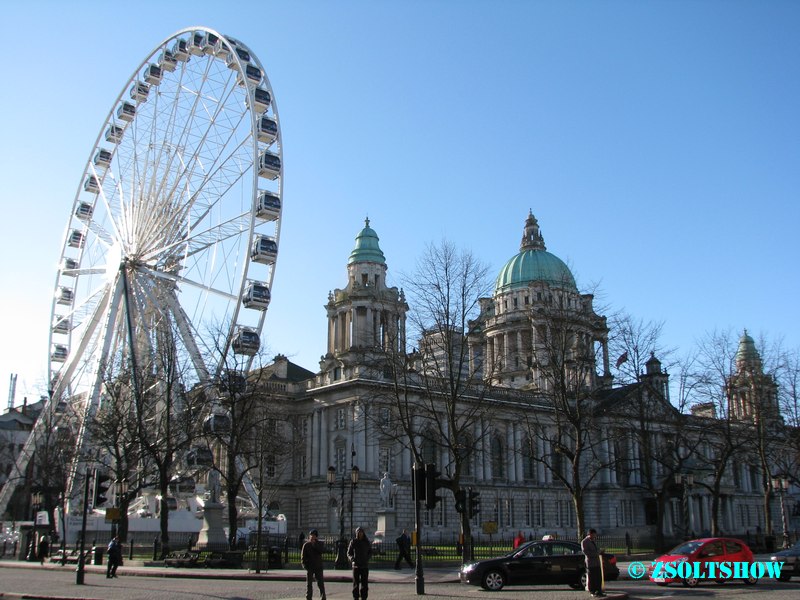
(781, 485)
(341, 544)
(687, 481)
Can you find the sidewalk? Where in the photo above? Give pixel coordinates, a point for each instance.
(141, 569)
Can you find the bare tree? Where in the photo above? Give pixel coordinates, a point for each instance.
(244, 434)
(436, 397)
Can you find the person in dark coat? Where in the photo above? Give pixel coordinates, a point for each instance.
(311, 559)
(359, 552)
(403, 549)
(43, 551)
(114, 557)
(594, 569)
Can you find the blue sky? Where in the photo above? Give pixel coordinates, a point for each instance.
(658, 144)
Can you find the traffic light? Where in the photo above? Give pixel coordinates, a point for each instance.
(418, 482)
(474, 502)
(432, 483)
(101, 484)
(461, 501)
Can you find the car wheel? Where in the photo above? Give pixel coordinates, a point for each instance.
(785, 577)
(691, 582)
(751, 580)
(493, 581)
(580, 584)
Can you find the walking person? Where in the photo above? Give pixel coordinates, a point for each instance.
(594, 568)
(114, 557)
(359, 552)
(403, 549)
(43, 551)
(311, 559)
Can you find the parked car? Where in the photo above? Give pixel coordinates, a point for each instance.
(536, 563)
(703, 551)
(791, 561)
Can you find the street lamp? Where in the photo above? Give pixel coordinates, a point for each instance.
(687, 481)
(122, 496)
(781, 485)
(341, 551)
(36, 504)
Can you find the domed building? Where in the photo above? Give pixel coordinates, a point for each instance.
(538, 316)
(351, 462)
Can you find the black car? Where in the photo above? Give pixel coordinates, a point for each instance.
(536, 563)
(791, 561)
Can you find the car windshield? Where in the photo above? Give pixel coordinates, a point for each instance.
(685, 548)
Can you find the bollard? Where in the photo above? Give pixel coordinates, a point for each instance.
(627, 543)
(155, 548)
(130, 556)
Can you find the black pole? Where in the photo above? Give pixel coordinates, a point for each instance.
(81, 561)
(419, 577)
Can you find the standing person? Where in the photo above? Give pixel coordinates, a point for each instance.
(519, 540)
(114, 557)
(594, 569)
(311, 559)
(359, 552)
(43, 550)
(403, 549)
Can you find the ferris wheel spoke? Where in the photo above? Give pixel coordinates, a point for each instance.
(188, 334)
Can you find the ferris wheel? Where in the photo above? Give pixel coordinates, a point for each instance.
(176, 220)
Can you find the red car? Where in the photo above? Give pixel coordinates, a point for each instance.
(667, 568)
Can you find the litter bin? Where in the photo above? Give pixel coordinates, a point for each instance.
(97, 555)
(275, 561)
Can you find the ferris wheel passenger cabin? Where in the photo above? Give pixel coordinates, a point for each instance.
(257, 296)
(114, 134)
(197, 43)
(167, 61)
(140, 91)
(252, 74)
(269, 165)
(102, 159)
(91, 185)
(65, 296)
(261, 99)
(199, 457)
(62, 325)
(84, 211)
(59, 353)
(268, 206)
(246, 341)
(243, 55)
(180, 50)
(267, 130)
(126, 112)
(76, 239)
(264, 250)
(152, 74)
(69, 266)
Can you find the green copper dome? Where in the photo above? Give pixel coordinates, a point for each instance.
(534, 263)
(367, 248)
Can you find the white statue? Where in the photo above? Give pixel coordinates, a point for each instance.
(387, 490)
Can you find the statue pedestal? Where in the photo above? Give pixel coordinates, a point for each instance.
(212, 535)
(387, 521)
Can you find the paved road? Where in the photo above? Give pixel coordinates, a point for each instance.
(26, 580)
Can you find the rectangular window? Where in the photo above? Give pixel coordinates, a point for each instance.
(341, 418)
(509, 512)
(534, 512)
(340, 460)
(385, 460)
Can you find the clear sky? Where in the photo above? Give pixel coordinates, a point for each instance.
(658, 144)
